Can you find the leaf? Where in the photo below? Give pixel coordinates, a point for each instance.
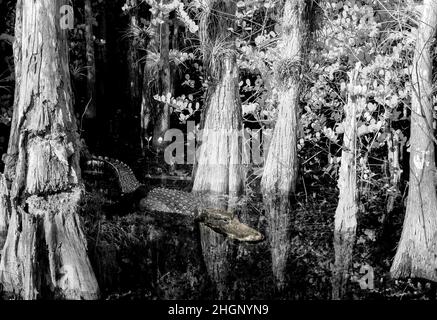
(363, 129)
(371, 234)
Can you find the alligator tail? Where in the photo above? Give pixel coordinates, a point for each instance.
(126, 178)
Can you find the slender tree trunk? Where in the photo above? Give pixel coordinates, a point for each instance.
(90, 58)
(102, 49)
(45, 254)
(133, 57)
(4, 210)
(89, 122)
(416, 255)
(219, 174)
(163, 120)
(103, 74)
(146, 110)
(174, 46)
(393, 146)
(280, 171)
(345, 223)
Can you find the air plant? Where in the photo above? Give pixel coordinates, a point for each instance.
(78, 71)
(4, 79)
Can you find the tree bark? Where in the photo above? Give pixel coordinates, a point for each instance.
(345, 222)
(146, 109)
(4, 210)
(280, 171)
(133, 65)
(417, 253)
(91, 63)
(45, 254)
(219, 171)
(393, 147)
(219, 174)
(163, 114)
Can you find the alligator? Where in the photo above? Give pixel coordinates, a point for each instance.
(171, 201)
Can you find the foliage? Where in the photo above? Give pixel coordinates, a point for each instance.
(7, 76)
(376, 39)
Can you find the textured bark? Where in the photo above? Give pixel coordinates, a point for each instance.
(175, 46)
(393, 146)
(280, 171)
(4, 210)
(133, 58)
(345, 223)
(101, 52)
(146, 110)
(162, 85)
(163, 113)
(417, 253)
(90, 58)
(45, 254)
(219, 172)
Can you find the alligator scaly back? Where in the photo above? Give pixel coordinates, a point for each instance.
(184, 203)
(170, 200)
(126, 178)
(158, 199)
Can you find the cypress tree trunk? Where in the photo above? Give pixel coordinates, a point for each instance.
(161, 84)
(146, 109)
(416, 255)
(163, 113)
(219, 174)
(280, 171)
(90, 58)
(102, 53)
(89, 124)
(4, 210)
(345, 223)
(132, 59)
(393, 146)
(45, 254)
